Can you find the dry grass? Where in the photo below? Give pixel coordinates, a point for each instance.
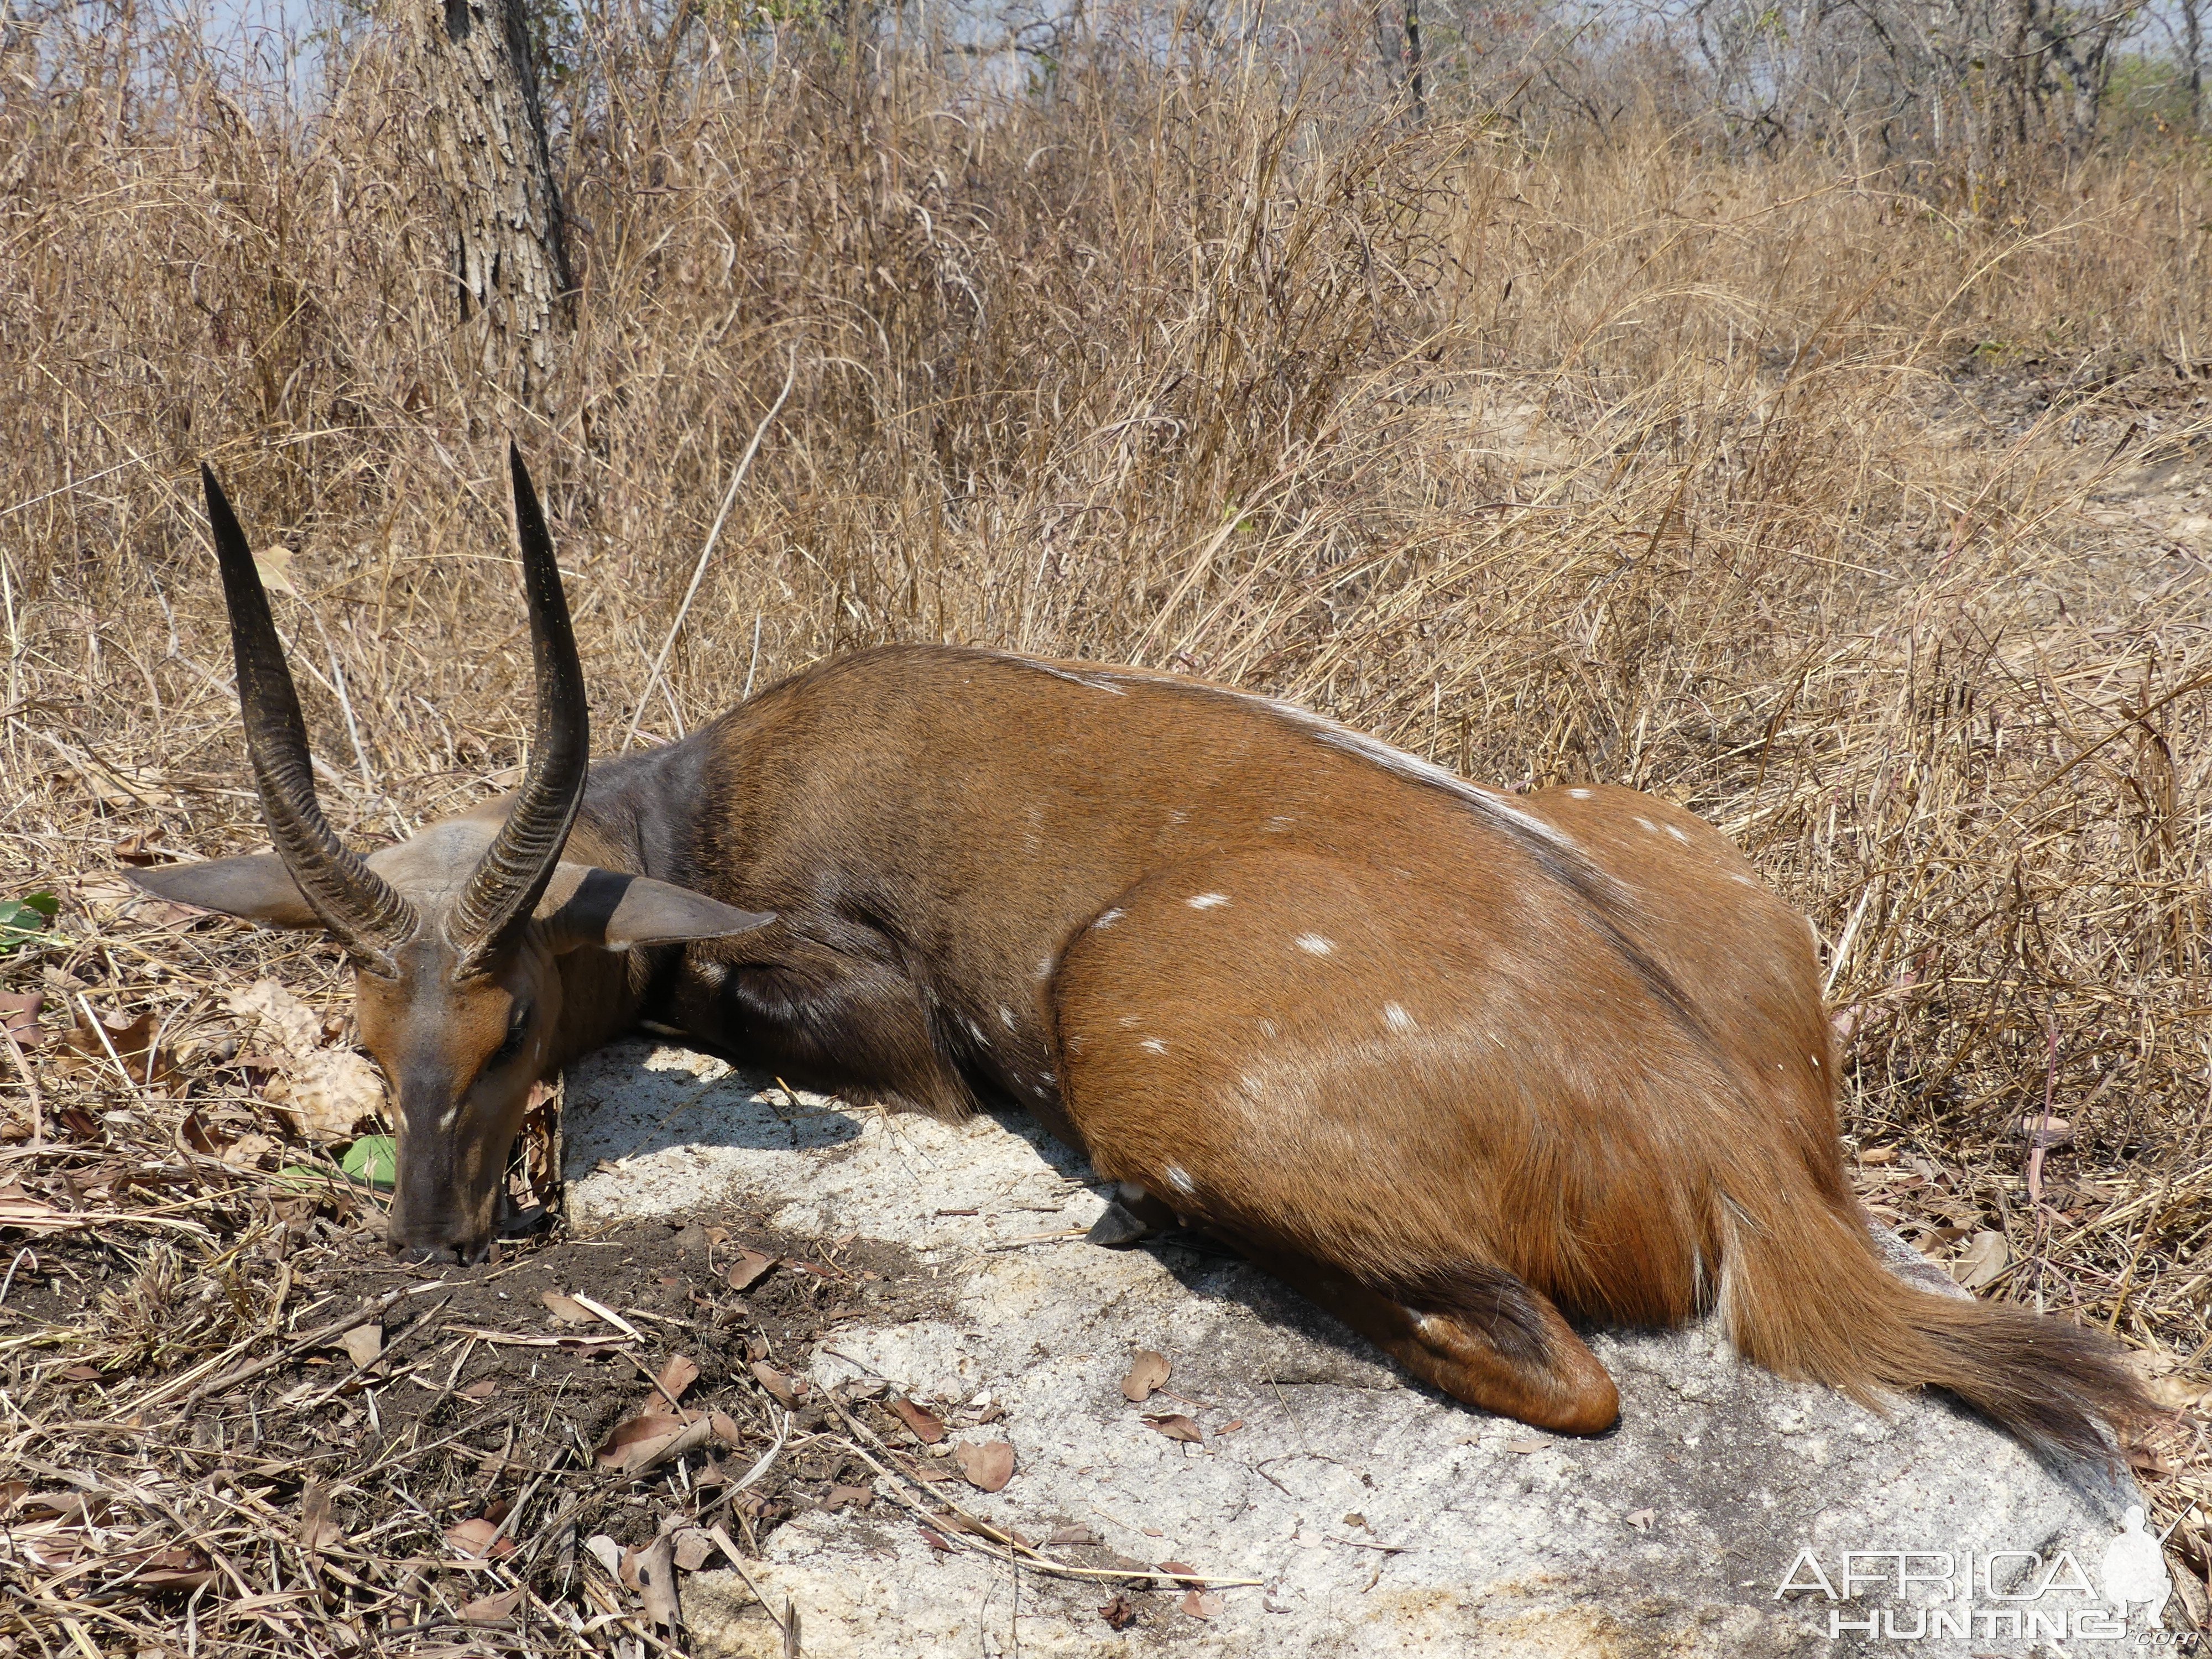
(1872, 525)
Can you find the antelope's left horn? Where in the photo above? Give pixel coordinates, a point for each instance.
(507, 881)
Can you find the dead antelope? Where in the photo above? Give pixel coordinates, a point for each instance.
(1455, 1062)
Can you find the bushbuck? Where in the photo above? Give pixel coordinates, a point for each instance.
(1458, 1063)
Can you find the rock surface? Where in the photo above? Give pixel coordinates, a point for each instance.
(1379, 1517)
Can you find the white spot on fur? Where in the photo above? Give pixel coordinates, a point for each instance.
(1129, 1020)
(1650, 828)
(1044, 969)
(1153, 1045)
(711, 973)
(1679, 834)
(1314, 945)
(1279, 823)
(1251, 1084)
(1006, 1017)
(1397, 1017)
(1179, 1178)
(1267, 1029)
(1049, 1077)
(1110, 918)
(1130, 1193)
(1037, 1091)
(1208, 900)
(1815, 1059)
(446, 1121)
(1578, 794)
(976, 1031)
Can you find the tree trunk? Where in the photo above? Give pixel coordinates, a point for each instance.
(486, 135)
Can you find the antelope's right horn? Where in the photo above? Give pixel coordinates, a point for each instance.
(366, 917)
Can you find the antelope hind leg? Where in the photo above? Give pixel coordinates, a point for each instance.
(1504, 1349)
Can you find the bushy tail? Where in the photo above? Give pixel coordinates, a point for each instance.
(1805, 1293)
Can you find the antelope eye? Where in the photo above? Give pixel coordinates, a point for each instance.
(518, 1028)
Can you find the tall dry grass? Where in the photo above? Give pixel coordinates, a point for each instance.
(1868, 523)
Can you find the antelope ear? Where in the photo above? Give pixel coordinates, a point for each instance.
(257, 888)
(585, 905)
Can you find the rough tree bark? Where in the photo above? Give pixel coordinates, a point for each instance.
(485, 130)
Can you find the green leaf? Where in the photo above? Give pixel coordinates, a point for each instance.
(27, 919)
(373, 1159)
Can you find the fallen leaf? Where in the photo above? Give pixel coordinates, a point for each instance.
(1878, 1154)
(317, 1529)
(566, 1310)
(276, 1018)
(131, 1041)
(275, 565)
(775, 1382)
(656, 1581)
(329, 1094)
(848, 1497)
(1177, 1426)
(474, 1538)
(373, 1160)
(750, 1268)
(678, 1372)
(988, 1464)
(1983, 1260)
(19, 1013)
(693, 1548)
(492, 1609)
(141, 848)
(1204, 1604)
(363, 1343)
(1146, 1372)
(724, 1429)
(1641, 1520)
(641, 1443)
(1181, 1570)
(1118, 1614)
(1067, 1537)
(1527, 1443)
(942, 1545)
(605, 1551)
(2037, 1132)
(482, 1389)
(927, 1426)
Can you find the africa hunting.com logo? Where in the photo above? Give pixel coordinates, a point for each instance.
(2012, 1595)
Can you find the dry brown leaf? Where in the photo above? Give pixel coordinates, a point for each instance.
(775, 1382)
(276, 1019)
(1147, 1371)
(2056, 1133)
(330, 1094)
(848, 1497)
(566, 1310)
(1118, 1614)
(1177, 1426)
(693, 1548)
(132, 1042)
(1527, 1443)
(1067, 1537)
(656, 1581)
(635, 1442)
(1983, 1260)
(725, 1429)
(929, 1427)
(1204, 1604)
(275, 565)
(988, 1464)
(678, 1373)
(19, 1013)
(363, 1343)
(482, 1389)
(750, 1268)
(492, 1609)
(319, 1530)
(475, 1537)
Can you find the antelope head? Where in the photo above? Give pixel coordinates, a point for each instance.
(458, 936)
